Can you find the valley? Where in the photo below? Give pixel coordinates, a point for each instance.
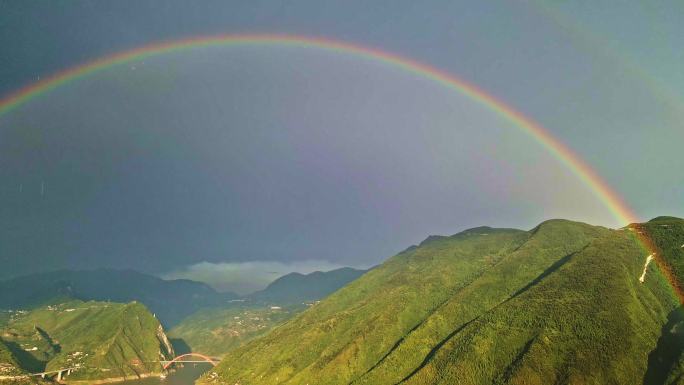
(341, 192)
(47, 326)
(216, 331)
(565, 302)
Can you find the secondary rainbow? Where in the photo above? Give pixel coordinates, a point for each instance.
(599, 46)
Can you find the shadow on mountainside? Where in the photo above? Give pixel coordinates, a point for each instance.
(668, 350)
(26, 361)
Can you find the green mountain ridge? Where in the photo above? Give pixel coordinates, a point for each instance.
(294, 288)
(559, 304)
(103, 340)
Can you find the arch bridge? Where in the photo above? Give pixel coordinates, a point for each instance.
(191, 358)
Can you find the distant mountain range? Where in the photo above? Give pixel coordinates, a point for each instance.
(295, 288)
(170, 300)
(563, 303)
(58, 318)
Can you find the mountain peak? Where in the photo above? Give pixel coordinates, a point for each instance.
(480, 230)
(297, 287)
(664, 218)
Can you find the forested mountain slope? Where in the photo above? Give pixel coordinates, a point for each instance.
(217, 331)
(559, 304)
(220, 329)
(103, 340)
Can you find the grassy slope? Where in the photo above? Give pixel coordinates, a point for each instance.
(218, 331)
(558, 304)
(105, 339)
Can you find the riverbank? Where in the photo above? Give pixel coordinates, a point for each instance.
(112, 380)
(185, 375)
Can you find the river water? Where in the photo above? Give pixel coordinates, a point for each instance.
(182, 376)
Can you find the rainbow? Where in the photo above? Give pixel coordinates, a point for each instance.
(618, 208)
(621, 212)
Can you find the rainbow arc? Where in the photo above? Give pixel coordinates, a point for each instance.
(612, 201)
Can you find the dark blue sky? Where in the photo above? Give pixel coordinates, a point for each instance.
(302, 156)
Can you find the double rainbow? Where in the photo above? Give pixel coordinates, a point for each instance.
(561, 152)
(618, 208)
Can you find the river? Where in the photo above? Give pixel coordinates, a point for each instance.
(182, 376)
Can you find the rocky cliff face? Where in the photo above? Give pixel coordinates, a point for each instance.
(166, 350)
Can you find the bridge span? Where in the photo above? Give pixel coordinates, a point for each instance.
(186, 358)
(59, 372)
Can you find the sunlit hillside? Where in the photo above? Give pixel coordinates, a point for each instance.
(561, 303)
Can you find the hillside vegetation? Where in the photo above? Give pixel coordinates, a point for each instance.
(103, 340)
(218, 330)
(559, 304)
